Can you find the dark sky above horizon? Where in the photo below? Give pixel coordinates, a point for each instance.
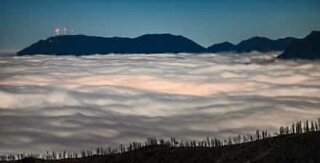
(205, 21)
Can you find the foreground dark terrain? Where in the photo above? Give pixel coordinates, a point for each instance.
(291, 148)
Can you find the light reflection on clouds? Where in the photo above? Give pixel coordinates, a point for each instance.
(69, 103)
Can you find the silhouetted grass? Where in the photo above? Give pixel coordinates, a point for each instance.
(298, 143)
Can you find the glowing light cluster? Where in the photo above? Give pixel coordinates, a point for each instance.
(63, 31)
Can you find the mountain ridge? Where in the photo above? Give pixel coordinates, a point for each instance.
(86, 45)
(306, 48)
(257, 43)
(147, 44)
(221, 47)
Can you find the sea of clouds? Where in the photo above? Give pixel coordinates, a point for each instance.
(70, 103)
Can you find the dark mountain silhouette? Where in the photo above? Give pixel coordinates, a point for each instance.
(221, 47)
(260, 44)
(306, 48)
(85, 45)
(149, 43)
(263, 44)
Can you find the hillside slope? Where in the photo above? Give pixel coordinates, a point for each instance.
(291, 148)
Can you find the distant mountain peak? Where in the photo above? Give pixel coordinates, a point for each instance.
(149, 43)
(158, 35)
(306, 48)
(257, 38)
(313, 34)
(221, 47)
(86, 45)
(226, 43)
(261, 44)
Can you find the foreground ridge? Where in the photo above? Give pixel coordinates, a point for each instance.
(298, 143)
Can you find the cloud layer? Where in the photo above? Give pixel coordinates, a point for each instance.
(70, 103)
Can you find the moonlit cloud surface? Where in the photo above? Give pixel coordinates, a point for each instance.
(70, 103)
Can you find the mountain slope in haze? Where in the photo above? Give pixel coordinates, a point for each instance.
(86, 45)
(221, 47)
(306, 48)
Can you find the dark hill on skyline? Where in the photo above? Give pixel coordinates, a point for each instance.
(145, 44)
(306, 48)
(86, 45)
(263, 44)
(222, 47)
(260, 44)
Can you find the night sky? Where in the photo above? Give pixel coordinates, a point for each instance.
(206, 22)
